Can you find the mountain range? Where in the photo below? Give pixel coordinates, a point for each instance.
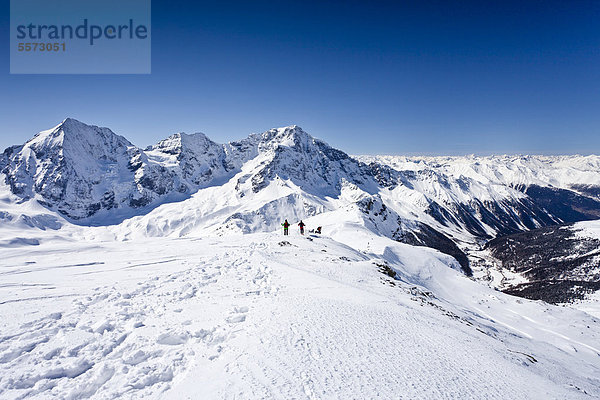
(187, 185)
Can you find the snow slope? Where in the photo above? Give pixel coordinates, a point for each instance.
(26, 221)
(263, 316)
(587, 229)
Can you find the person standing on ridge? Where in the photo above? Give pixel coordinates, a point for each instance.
(285, 225)
(301, 225)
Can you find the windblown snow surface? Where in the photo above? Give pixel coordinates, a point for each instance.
(346, 315)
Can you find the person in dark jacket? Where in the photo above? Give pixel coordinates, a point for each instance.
(285, 225)
(301, 225)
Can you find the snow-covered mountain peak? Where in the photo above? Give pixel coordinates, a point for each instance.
(66, 124)
(72, 138)
(181, 142)
(292, 154)
(78, 170)
(69, 122)
(289, 136)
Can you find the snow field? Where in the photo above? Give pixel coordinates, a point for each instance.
(267, 316)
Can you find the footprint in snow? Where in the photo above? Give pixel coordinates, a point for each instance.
(238, 315)
(172, 339)
(234, 319)
(135, 357)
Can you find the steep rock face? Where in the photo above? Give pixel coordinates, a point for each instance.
(74, 168)
(490, 218)
(308, 162)
(197, 160)
(91, 175)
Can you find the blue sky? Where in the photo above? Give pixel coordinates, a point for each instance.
(368, 77)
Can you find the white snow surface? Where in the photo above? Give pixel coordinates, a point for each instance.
(587, 229)
(266, 316)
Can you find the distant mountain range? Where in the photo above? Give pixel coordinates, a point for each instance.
(190, 185)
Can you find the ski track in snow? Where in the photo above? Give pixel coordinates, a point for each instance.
(252, 317)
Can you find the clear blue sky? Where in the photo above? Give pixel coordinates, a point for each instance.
(447, 77)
